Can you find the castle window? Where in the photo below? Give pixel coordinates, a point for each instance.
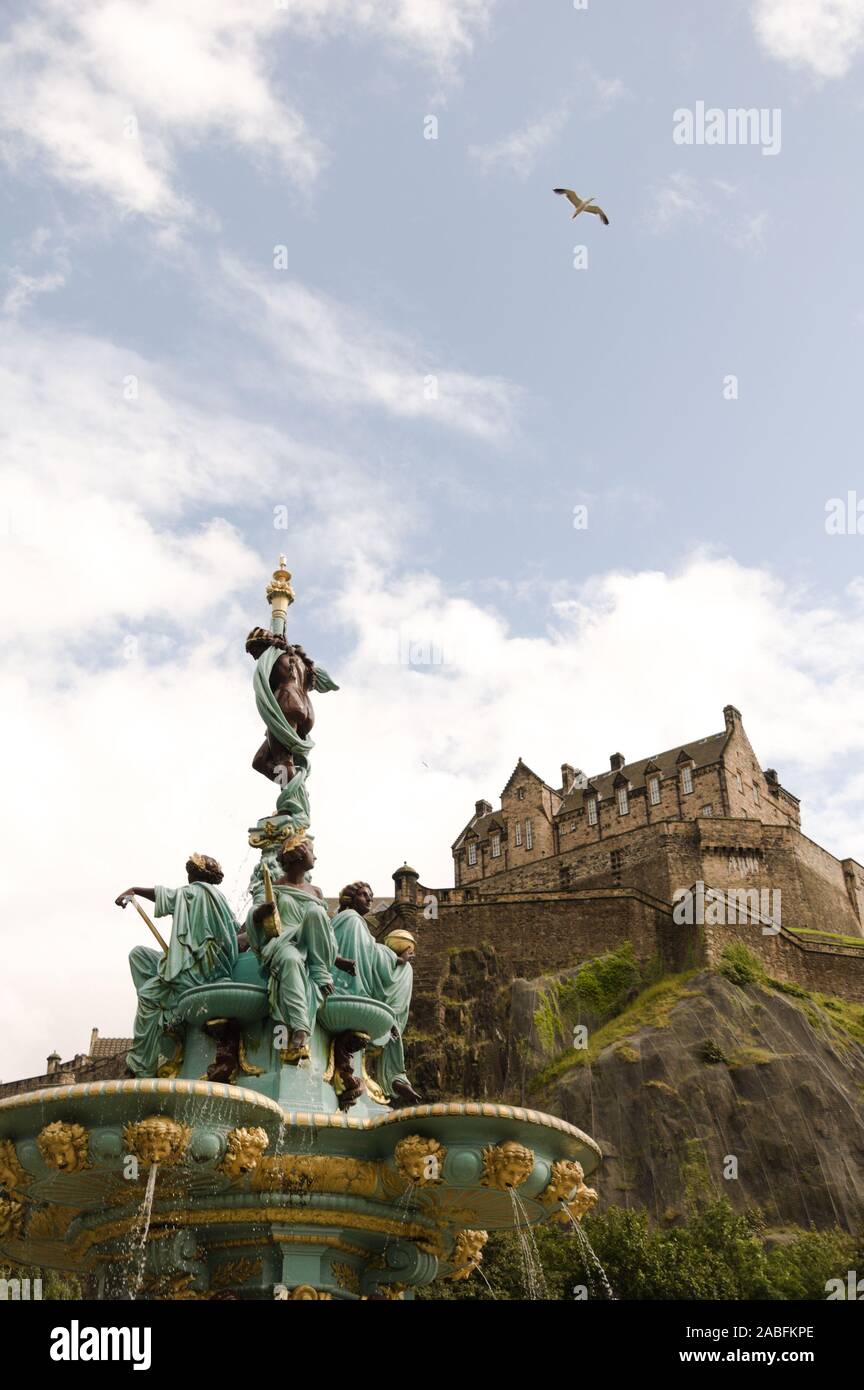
(623, 802)
(472, 853)
(529, 835)
(654, 787)
(687, 780)
(496, 846)
(739, 781)
(592, 810)
(756, 793)
(707, 810)
(520, 794)
(616, 860)
(518, 832)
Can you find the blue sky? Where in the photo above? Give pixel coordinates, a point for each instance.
(169, 393)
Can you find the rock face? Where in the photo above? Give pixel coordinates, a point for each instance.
(739, 1080)
(704, 1087)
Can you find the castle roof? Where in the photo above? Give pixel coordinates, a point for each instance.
(702, 751)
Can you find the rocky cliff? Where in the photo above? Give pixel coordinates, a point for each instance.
(721, 1083)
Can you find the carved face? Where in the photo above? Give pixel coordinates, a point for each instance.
(565, 1180)
(507, 1165)
(156, 1139)
(420, 1160)
(245, 1147)
(64, 1146)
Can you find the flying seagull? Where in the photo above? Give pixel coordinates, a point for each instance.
(582, 204)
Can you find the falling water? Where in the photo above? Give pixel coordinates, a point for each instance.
(532, 1270)
(482, 1273)
(590, 1256)
(142, 1227)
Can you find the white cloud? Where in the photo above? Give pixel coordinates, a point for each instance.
(519, 151)
(824, 36)
(348, 360)
(683, 200)
(121, 772)
(108, 93)
(679, 199)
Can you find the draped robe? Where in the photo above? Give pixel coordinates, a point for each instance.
(380, 976)
(202, 947)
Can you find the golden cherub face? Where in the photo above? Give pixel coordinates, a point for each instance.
(419, 1159)
(64, 1146)
(507, 1164)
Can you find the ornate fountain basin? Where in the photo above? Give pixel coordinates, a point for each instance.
(250, 1197)
(356, 1013)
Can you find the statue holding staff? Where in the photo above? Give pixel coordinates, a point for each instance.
(292, 936)
(202, 947)
(383, 971)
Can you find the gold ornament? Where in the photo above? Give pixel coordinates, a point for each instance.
(50, 1223)
(392, 1292)
(11, 1218)
(506, 1165)
(245, 1147)
(419, 1160)
(467, 1253)
(235, 1272)
(12, 1174)
(346, 1276)
(64, 1147)
(317, 1173)
(305, 1293)
(565, 1178)
(157, 1140)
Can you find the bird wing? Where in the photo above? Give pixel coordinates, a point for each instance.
(592, 207)
(568, 193)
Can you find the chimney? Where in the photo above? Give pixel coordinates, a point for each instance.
(482, 808)
(568, 776)
(616, 762)
(771, 777)
(732, 717)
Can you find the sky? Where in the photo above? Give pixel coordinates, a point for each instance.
(290, 277)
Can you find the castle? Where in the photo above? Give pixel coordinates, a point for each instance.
(701, 812)
(559, 875)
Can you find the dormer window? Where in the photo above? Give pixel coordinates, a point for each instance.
(687, 779)
(517, 832)
(496, 846)
(592, 810)
(472, 852)
(623, 802)
(654, 791)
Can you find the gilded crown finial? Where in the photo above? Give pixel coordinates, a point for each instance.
(280, 596)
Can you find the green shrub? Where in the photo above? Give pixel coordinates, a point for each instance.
(740, 966)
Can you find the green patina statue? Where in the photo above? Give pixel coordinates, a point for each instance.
(202, 947)
(292, 937)
(382, 971)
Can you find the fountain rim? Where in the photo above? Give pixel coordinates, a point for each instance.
(161, 1086)
(156, 1089)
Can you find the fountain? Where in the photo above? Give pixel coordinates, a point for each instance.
(269, 1144)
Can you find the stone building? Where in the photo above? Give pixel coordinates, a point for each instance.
(704, 811)
(105, 1060)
